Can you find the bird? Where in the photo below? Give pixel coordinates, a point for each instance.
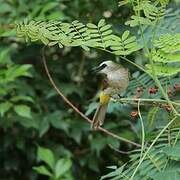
(115, 81)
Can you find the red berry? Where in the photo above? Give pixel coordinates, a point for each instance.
(134, 114)
(153, 90)
(169, 92)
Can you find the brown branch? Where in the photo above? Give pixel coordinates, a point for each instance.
(66, 100)
(119, 151)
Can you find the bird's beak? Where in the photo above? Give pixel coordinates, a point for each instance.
(97, 69)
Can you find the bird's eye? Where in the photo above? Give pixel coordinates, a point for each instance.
(99, 68)
(103, 66)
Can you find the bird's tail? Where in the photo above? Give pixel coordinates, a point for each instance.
(100, 113)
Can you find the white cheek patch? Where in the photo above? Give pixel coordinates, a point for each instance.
(105, 71)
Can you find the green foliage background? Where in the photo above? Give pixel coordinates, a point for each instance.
(39, 132)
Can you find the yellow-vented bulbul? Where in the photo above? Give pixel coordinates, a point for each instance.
(115, 82)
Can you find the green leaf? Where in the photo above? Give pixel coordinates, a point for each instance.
(98, 144)
(4, 107)
(116, 172)
(5, 56)
(172, 152)
(125, 35)
(91, 108)
(167, 175)
(101, 23)
(16, 70)
(23, 110)
(9, 33)
(90, 25)
(107, 32)
(47, 156)
(29, 123)
(169, 43)
(163, 70)
(114, 143)
(48, 6)
(42, 170)
(160, 56)
(43, 127)
(130, 39)
(85, 48)
(44, 40)
(93, 31)
(123, 2)
(104, 28)
(22, 98)
(173, 57)
(57, 121)
(76, 133)
(62, 166)
(136, 21)
(93, 163)
(3, 91)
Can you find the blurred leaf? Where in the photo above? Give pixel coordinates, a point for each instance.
(21, 97)
(47, 156)
(98, 144)
(5, 56)
(43, 127)
(48, 6)
(70, 88)
(15, 71)
(23, 110)
(93, 164)
(42, 170)
(4, 107)
(58, 120)
(91, 108)
(5, 7)
(76, 130)
(62, 166)
(168, 175)
(10, 33)
(116, 172)
(29, 123)
(113, 142)
(172, 152)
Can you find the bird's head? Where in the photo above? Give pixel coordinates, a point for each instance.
(106, 67)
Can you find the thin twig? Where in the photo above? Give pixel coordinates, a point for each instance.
(142, 129)
(66, 100)
(119, 151)
(144, 102)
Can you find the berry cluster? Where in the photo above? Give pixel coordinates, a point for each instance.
(154, 90)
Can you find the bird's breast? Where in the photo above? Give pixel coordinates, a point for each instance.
(117, 79)
(117, 82)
